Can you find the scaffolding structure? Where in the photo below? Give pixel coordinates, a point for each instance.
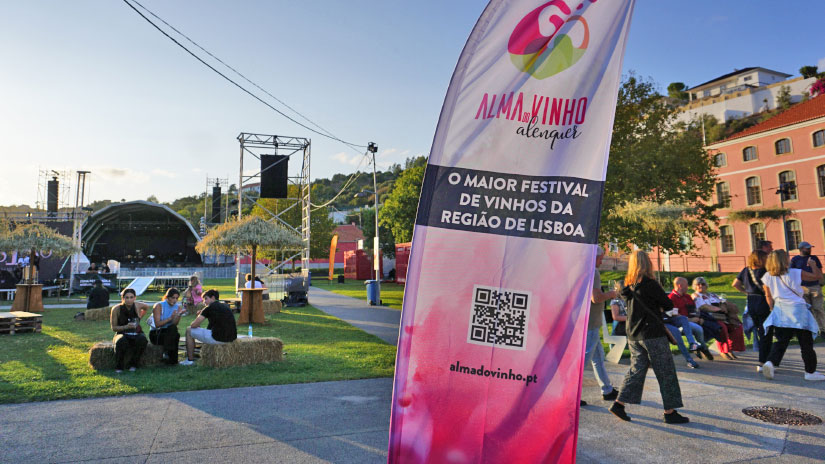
(252, 147)
(223, 183)
(64, 188)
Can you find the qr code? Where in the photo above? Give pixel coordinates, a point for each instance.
(499, 317)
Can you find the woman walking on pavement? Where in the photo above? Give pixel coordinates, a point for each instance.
(790, 316)
(648, 341)
(749, 281)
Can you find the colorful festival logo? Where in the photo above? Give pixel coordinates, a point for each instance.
(544, 42)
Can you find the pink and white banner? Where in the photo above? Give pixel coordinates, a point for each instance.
(499, 280)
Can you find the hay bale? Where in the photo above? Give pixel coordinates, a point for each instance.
(98, 314)
(242, 352)
(102, 356)
(272, 306)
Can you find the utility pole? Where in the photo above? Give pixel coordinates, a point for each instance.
(782, 191)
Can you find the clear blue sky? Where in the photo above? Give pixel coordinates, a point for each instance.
(90, 85)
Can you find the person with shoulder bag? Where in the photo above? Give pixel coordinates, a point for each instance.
(648, 340)
(790, 315)
(749, 281)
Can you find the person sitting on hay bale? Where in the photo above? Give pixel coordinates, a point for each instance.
(164, 325)
(98, 297)
(129, 340)
(193, 295)
(221, 328)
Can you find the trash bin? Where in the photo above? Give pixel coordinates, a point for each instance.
(340, 278)
(373, 293)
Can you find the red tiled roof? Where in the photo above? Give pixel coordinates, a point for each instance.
(348, 233)
(811, 109)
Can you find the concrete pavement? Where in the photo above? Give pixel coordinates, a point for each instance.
(349, 421)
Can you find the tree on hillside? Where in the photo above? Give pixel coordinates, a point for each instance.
(386, 238)
(808, 71)
(652, 160)
(398, 213)
(678, 91)
(783, 97)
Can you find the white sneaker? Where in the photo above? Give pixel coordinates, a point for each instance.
(187, 362)
(814, 376)
(758, 369)
(767, 370)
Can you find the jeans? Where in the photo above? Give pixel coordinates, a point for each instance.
(683, 323)
(679, 342)
(762, 337)
(594, 352)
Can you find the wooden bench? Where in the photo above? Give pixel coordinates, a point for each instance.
(51, 289)
(8, 293)
(20, 322)
(618, 343)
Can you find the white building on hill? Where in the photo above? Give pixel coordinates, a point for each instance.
(741, 93)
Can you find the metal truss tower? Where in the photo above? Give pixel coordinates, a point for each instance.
(252, 147)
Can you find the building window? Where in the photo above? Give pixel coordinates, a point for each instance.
(794, 234)
(783, 146)
(749, 154)
(754, 190)
(726, 237)
(787, 181)
(820, 179)
(720, 160)
(723, 194)
(747, 78)
(757, 234)
(819, 138)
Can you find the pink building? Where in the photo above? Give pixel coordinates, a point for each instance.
(786, 150)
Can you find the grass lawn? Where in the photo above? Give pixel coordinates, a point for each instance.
(392, 295)
(54, 364)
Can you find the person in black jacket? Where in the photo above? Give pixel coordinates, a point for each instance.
(98, 297)
(647, 341)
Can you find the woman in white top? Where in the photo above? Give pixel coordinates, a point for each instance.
(790, 316)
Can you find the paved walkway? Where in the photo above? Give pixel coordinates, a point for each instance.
(380, 321)
(348, 421)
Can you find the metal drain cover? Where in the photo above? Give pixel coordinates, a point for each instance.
(782, 416)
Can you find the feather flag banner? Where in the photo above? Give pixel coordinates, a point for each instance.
(491, 345)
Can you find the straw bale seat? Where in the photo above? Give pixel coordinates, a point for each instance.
(272, 306)
(242, 352)
(102, 356)
(98, 314)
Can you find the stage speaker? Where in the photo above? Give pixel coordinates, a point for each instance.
(51, 196)
(274, 176)
(216, 204)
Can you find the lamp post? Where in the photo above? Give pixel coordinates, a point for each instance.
(373, 148)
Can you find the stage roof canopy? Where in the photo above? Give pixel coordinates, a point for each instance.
(140, 231)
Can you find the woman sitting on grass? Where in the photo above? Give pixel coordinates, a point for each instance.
(164, 325)
(790, 316)
(129, 340)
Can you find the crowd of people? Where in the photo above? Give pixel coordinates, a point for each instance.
(130, 340)
(784, 300)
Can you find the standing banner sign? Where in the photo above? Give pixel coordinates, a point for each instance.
(500, 275)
